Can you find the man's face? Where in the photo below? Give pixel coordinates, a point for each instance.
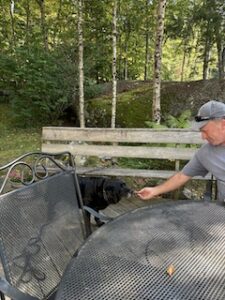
(214, 132)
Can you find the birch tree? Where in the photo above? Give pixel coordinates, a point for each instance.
(114, 79)
(156, 107)
(12, 5)
(81, 64)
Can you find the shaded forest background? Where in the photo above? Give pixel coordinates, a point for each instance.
(39, 59)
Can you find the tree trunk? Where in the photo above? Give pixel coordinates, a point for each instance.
(119, 60)
(219, 55)
(147, 55)
(156, 107)
(207, 53)
(119, 54)
(126, 43)
(125, 62)
(223, 63)
(183, 64)
(13, 39)
(57, 28)
(81, 64)
(27, 38)
(5, 33)
(44, 30)
(114, 88)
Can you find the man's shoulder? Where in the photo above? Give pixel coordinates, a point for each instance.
(207, 149)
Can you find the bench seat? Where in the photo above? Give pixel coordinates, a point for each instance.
(164, 174)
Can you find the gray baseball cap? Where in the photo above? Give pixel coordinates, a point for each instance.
(209, 111)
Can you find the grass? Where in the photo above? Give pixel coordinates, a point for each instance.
(15, 141)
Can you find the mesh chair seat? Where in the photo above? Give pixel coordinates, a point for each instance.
(40, 230)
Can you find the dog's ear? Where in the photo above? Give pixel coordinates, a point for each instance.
(115, 190)
(111, 191)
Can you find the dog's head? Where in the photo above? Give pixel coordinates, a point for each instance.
(114, 190)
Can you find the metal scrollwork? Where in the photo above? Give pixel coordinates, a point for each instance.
(32, 167)
(25, 262)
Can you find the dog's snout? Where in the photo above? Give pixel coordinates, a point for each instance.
(130, 193)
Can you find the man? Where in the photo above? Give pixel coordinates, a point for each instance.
(209, 158)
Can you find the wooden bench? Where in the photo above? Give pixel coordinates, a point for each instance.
(174, 145)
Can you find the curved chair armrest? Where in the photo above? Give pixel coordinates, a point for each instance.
(13, 292)
(96, 214)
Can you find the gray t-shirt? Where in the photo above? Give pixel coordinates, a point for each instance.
(211, 159)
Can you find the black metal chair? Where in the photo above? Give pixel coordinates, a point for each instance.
(41, 224)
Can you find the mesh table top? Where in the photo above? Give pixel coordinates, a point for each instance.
(129, 257)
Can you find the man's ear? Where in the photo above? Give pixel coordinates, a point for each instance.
(223, 124)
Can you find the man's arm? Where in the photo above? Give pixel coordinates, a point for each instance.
(171, 184)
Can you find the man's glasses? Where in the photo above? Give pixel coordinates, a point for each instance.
(201, 119)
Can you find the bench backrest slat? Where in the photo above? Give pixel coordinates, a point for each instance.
(123, 135)
(123, 151)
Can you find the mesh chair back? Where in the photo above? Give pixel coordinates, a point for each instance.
(40, 230)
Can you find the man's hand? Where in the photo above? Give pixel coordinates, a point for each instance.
(146, 193)
(171, 184)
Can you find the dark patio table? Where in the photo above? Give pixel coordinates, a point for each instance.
(129, 257)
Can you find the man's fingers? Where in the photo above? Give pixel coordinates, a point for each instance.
(138, 192)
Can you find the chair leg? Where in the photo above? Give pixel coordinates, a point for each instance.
(2, 297)
(208, 191)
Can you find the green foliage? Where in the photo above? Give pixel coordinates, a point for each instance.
(14, 141)
(41, 83)
(91, 89)
(40, 87)
(133, 108)
(5, 117)
(151, 124)
(181, 121)
(7, 78)
(148, 164)
(185, 34)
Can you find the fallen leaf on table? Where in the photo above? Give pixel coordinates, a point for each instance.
(170, 270)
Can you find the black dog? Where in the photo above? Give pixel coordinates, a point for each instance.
(99, 192)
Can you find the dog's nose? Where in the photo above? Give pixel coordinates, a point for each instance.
(130, 193)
